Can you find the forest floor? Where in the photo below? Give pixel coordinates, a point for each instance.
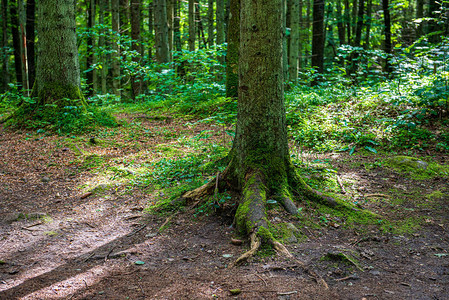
(73, 225)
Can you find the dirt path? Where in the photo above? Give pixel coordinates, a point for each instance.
(59, 242)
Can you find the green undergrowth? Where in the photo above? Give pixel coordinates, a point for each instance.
(416, 168)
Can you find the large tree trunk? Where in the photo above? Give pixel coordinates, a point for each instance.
(294, 40)
(115, 23)
(260, 166)
(161, 29)
(136, 82)
(30, 30)
(232, 56)
(58, 71)
(4, 45)
(318, 37)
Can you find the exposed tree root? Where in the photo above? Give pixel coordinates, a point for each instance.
(255, 245)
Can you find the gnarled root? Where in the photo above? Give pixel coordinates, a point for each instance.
(255, 245)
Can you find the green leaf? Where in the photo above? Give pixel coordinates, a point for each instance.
(371, 149)
(441, 254)
(352, 151)
(139, 262)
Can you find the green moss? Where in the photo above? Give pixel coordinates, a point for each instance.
(435, 195)
(50, 233)
(265, 234)
(416, 168)
(404, 226)
(286, 233)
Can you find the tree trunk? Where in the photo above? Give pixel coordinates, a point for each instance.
(124, 16)
(170, 27)
(434, 15)
(4, 45)
(301, 35)
(368, 23)
(232, 56)
(294, 40)
(151, 27)
(353, 21)
(358, 32)
(15, 31)
(58, 71)
(285, 41)
(340, 24)
(115, 23)
(136, 82)
(192, 25)
(90, 76)
(220, 22)
(101, 44)
(176, 26)
(348, 22)
(260, 166)
(387, 33)
(161, 29)
(210, 23)
(30, 30)
(318, 37)
(202, 43)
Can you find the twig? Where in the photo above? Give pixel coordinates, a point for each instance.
(346, 278)
(377, 195)
(167, 220)
(109, 253)
(137, 230)
(87, 258)
(340, 183)
(287, 293)
(29, 227)
(266, 284)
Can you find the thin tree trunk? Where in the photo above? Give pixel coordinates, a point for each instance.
(294, 40)
(340, 24)
(177, 26)
(115, 22)
(232, 56)
(170, 27)
(202, 43)
(419, 15)
(368, 23)
(31, 37)
(210, 23)
(192, 25)
(4, 45)
(124, 17)
(318, 37)
(161, 29)
(348, 22)
(301, 36)
(90, 14)
(307, 36)
(387, 33)
(358, 32)
(151, 27)
(14, 25)
(104, 11)
(136, 81)
(220, 22)
(353, 21)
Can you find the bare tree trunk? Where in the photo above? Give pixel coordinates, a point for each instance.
(210, 23)
(15, 26)
(151, 27)
(170, 27)
(192, 25)
(368, 23)
(340, 24)
(232, 56)
(387, 33)
(115, 22)
(318, 37)
(202, 43)
(136, 81)
(301, 35)
(124, 16)
(161, 29)
(4, 45)
(348, 22)
(358, 32)
(90, 76)
(220, 22)
(31, 37)
(353, 21)
(294, 40)
(177, 26)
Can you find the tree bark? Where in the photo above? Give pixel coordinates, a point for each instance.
(176, 26)
(31, 37)
(318, 37)
(136, 82)
(58, 71)
(192, 25)
(90, 76)
(115, 23)
(15, 31)
(358, 32)
(151, 27)
(340, 24)
(220, 19)
(170, 27)
(161, 29)
(369, 9)
(387, 34)
(104, 12)
(210, 23)
(232, 56)
(294, 40)
(4, 45)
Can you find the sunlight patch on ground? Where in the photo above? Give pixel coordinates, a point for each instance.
(63, 289)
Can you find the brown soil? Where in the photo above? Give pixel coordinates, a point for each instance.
(93, 246)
